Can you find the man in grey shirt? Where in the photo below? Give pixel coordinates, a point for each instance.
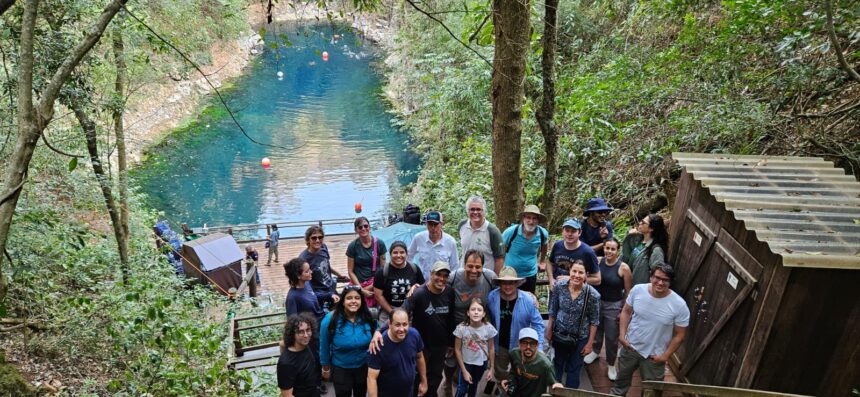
(476, 232)
(471, 281)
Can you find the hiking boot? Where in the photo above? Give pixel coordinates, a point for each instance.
(590, 358)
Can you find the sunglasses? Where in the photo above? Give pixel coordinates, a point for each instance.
(362, 227)
(317, 238)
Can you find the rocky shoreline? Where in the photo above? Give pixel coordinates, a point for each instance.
(162, 106)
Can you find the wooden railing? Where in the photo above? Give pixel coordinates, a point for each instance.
(236, 350)
(250, 232)
(656, 389)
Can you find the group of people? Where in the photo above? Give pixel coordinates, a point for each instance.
(417, 317)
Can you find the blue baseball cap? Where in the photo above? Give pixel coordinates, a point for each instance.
(433, 216)
(572, 223)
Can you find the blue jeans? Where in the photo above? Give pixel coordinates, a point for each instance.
(568, 361)
(463, 387)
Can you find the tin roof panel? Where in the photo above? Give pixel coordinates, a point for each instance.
(805, 209)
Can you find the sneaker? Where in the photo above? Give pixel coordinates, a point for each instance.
(590, 358)
(612, 373)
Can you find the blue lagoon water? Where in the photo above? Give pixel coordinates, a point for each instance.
(336, 143)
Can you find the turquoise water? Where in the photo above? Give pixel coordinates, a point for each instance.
(336, 142)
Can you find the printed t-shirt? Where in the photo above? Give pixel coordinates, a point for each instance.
(475, 342)
(432, 315)
(464, 293)
(532, 378)
(506, 316)
(395, 287)
(559, 254)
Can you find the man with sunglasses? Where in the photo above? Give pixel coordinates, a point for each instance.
(531, 371)
(653, 325)
(595, 228)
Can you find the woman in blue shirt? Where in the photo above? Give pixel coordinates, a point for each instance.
(345, 333)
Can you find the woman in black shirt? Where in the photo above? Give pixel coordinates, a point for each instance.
(298, 372)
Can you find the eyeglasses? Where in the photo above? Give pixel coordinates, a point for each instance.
(664, 280)
(476, 210)
(317, 238)
(364, 226)
(529, 342)
(603, 212)
(307, 331)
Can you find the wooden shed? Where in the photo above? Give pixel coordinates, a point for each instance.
(214, 258)
(767, 256)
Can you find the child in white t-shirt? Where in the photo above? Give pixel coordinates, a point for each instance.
(474, 348)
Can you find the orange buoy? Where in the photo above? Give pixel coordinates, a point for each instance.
(325, 56)
(266, 162)
(358, 207)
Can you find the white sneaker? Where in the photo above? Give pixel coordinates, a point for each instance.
(612, 373)
(590, 358)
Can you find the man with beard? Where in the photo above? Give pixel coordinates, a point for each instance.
(653, 325)
(531, 370)
(526, 245)
(317, 257)
(398, 358)
(432, 309)
(595, 228)
(472, 281)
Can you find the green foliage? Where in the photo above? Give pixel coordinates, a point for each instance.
(154, 333)
(635, 82)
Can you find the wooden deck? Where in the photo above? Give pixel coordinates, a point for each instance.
(272, 277)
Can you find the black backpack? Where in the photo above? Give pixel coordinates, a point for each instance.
(412, 214)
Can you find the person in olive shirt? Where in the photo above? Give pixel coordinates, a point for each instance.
(531, 371)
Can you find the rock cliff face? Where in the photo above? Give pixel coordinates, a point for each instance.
(159, 107)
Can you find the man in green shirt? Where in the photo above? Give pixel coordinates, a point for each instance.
(531, 370)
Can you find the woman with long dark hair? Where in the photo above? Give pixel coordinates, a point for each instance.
(345, 333)
(297, 368)
(645, 247)
(301, 298)
(364, 255)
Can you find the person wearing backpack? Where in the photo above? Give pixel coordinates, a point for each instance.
(526, 246)
(392, 282)
(477, 233)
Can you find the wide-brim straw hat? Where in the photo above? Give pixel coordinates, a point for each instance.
(533, 209)
(509, 274)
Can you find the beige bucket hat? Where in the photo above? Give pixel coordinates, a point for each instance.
(533, 209)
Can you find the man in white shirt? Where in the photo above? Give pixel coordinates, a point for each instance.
(653, 324)
(477, 233)
(433, 245)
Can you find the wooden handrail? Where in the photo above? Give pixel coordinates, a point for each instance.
(655, 389)
(564, 392)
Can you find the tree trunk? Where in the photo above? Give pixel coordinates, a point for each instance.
(119, 130)
(546, 114)
(33, 118)
(89, 127)
(511, 30)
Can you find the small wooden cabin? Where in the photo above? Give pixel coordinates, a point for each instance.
(767, 256)
(214, 258)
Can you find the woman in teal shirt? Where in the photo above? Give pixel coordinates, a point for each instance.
(345, 333)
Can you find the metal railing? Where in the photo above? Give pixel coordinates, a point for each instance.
(252, 232)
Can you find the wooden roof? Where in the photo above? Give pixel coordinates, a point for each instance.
(805, 210)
